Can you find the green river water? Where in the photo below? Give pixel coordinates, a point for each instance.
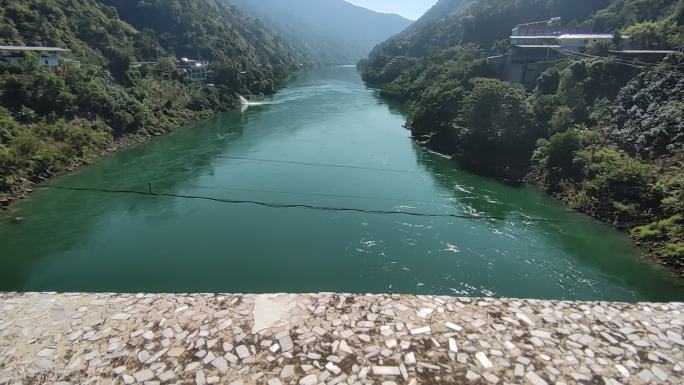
(282, 151)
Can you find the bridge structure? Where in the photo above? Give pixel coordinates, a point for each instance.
(327, 338)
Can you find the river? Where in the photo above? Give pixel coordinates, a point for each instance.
(325, 141)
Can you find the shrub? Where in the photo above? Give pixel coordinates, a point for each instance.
(548, 81)
(673, 201)
(666, 229)
(660, 34)
(617, 185)
(647, 232)
(674, 250)
(561, 120)
(561, 153)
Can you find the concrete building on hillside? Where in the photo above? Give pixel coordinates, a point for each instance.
(549, 33)
(539, 45)
(551, 27)
(538, 33)
(52, 57)
(546, 40)
(197, 70)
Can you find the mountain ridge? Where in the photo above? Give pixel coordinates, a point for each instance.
(330, 31)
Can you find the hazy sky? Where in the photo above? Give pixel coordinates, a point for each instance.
(412, 9)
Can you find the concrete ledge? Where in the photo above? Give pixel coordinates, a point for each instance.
(334, 339)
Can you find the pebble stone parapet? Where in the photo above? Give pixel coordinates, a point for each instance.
(334, 339)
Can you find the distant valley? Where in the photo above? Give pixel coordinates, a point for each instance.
(330, 31)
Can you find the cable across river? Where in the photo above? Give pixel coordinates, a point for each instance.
(273, 205)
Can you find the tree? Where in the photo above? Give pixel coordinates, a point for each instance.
(615, 184)
(561, 153)
(562, 120)
(548, 81)
(120, 59)
(653, 34)
(496, 128)
(226, 73)
(438, 105)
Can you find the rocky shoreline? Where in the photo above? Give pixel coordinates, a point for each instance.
(26, 187)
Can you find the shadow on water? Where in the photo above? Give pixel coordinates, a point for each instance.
(590, 243)
(168, 164)
(181, 156)
(395, 107)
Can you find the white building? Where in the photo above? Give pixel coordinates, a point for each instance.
(197, 70)
(548, 33)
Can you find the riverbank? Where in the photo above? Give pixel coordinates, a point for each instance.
(309, 339)
(27, 185)
(651, 249)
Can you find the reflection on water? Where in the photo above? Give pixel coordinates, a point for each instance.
(88, 241)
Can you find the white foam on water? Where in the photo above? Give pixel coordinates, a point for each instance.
(246, 103)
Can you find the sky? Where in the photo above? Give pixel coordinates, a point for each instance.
(411, 9)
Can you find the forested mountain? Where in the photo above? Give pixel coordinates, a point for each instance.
(209, 29)
(604, 135)
(441, 10)
(483, 22)
(330, 31)
(128, 84)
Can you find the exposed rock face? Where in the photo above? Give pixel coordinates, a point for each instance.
(334, 339)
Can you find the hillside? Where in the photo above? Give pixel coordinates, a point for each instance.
(127, 86)
(212, 30)
(482, 22)
(330, 31)
(441, 10)
(603, 135)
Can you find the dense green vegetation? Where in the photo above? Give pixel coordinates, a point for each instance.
(331, 31)
(128, 85)
(483, 22)
(215, 31)
(605, 137)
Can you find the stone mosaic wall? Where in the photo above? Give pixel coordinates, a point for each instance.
(334, 339)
